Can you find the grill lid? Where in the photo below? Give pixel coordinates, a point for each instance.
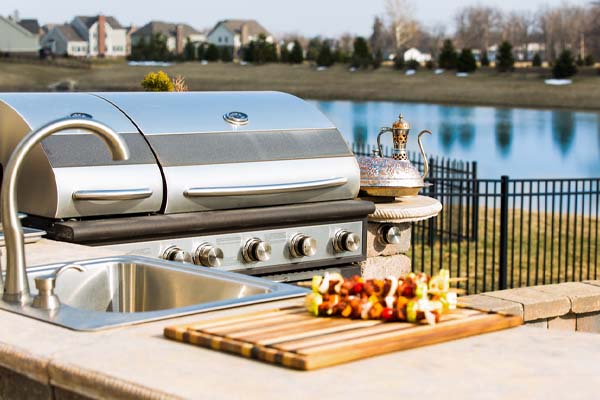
(223, 150)
(72, 173)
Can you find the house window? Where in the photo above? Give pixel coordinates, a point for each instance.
(226, 38)
(220, 39)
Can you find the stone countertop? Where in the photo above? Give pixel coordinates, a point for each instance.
(138, 361)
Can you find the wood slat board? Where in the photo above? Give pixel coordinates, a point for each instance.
(293, 338)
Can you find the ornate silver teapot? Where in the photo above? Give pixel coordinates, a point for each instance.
(393, 177)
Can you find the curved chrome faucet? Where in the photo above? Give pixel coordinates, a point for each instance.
(16, 287)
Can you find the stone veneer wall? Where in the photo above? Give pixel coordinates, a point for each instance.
(571, 306)
(386, 259)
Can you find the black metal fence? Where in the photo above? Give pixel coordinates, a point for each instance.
(505, 233)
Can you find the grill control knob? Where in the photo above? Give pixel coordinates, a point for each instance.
(346, 241)
(208, 255)
(256, 250)
(174, 253)
(390, 234)
(303, 246)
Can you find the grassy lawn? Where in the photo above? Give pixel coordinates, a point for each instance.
(523, 88)
(541, 250)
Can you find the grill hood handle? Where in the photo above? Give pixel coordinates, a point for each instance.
(265, 189)
(114, 194)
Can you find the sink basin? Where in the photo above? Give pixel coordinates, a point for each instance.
(126, 290)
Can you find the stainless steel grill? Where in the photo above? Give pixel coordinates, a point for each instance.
(258, 182)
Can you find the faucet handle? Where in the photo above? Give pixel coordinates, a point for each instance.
(45, 284)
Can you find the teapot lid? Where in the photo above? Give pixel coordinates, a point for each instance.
(401, 123)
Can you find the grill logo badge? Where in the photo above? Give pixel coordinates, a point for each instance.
(81, 115)
(236, 118)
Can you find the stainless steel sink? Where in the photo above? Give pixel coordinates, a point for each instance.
(127, 290)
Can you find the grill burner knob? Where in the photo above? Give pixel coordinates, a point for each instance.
(389, 234)
(256, 250)
(174, 253)
(346, 241)
(208, 255)
(303, 246)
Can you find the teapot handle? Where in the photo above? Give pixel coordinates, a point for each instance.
(381, 132)
(425, 161)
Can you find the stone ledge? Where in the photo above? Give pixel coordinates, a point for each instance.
(488, 303)
(584, 297)
(536, 304)
(592, 282)
(406, 209)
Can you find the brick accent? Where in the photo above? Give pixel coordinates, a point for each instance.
(101, 35)
(179, 39)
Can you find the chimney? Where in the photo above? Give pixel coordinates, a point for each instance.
(101, 35)
(179, 39)
(244, 34)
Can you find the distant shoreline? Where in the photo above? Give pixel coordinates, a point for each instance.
(486, 88)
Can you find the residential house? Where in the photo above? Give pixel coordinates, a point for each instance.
(130, 31)
(237, 33)
(65, 40)
(524, 52)
(176, 34)
(105, 36)
(32, 25)
(15, 39)
(417, 55)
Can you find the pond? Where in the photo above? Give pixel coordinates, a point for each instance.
(520, 143)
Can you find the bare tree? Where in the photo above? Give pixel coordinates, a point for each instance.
(517, 27)
(378, 39)
(592, 31)
(402, 23)
(563, 28)
(477, 27)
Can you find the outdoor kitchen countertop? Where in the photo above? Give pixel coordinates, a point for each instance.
(137, 361)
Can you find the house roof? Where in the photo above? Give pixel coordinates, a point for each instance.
(89, 21)
(70, 33)
(16, 26)
(235, 26)
(32, 25)
(166, 28)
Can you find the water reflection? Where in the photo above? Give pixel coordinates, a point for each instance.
(563, 130)
(516, 142)
(446, 128)
(360, 131)
(466, 128)
(504, 131)
(456, 123)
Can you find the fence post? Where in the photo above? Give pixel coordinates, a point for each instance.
(475, 210)
(503, 273)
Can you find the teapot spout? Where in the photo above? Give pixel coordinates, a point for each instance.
(425, 161)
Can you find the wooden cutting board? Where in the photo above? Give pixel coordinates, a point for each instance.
(293, 338)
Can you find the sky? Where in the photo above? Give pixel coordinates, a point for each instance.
(307, 17)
